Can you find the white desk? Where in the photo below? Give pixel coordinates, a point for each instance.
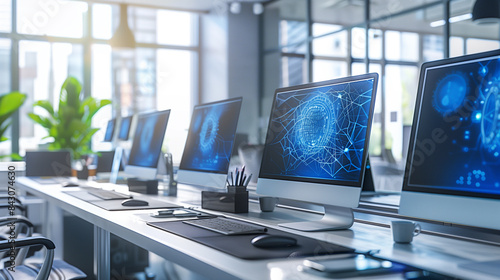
(439, 254)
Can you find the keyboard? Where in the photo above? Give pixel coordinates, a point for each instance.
(227, 226)
(107, 194)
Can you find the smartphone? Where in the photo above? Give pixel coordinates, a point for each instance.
(349, 266)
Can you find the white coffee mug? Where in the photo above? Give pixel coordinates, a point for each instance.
(404, 231)
(267, 203)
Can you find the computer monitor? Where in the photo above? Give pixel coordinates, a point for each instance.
(125, 125)
(146, 146)
(110, 130)
(452, 170)
(316, 147)
(205, 160)
(48, 163)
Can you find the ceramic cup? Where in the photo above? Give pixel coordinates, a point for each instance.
(267, 203)
(404, 231)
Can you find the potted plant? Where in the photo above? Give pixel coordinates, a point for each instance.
(9, 103)
(70, 127)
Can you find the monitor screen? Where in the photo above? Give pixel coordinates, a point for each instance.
(125, 125)
(110, 130)
(48, 163)
(209, 142)
(147, 143)
(317, 140)
(454, 152)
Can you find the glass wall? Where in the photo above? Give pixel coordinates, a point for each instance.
(392, 38)
(51, 42)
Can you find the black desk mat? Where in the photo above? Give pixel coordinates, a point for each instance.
(116, 204)
(240, 245)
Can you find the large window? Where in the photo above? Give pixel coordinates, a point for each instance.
(52, 42)
(393, 38)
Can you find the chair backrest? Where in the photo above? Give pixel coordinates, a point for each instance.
(48, 163)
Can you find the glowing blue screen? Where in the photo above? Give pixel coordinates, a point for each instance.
(124, 128)
(110, 129)
(457, 143)
(148, 139)
(318, 134)
(211, 136)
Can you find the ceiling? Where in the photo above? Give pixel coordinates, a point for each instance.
(344, 12)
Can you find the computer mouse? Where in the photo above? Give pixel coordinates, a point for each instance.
(70, 184)
(273, 241)
(134, 202)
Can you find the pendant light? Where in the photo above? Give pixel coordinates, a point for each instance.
(123, 37)
(486, 11)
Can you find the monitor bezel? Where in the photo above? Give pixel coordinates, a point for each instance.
(418, 103)
(146, 172)
(340, 183)
(195, 108)
(128, 127)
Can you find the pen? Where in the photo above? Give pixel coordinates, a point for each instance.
(241, 176)
(232, 181)
(248, 180)
(237, 176)
(242, 182)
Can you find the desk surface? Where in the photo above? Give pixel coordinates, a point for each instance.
(439, 254)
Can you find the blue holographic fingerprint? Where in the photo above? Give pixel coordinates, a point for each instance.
(490, 124)
(208, 133)
(146, 135)
(450, 93)
(315, 124)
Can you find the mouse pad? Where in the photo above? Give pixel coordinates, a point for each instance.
(240, 246)
(116, 204)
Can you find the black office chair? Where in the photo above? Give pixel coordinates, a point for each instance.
(26, 272)
(29, 267)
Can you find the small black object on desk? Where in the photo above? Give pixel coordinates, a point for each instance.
(273, 241)
(134, 202)
(142, 186)
(70, 184)
(235, 200)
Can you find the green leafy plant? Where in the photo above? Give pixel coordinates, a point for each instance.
(9, 103)
(71, 126)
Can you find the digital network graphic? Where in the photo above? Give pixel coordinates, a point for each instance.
(462, 102)
(210, 138)
(319, 133)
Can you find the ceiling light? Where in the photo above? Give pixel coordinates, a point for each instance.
(452, 20)
(486, 11)
(258, 8)
(235, 8)
(123, 37)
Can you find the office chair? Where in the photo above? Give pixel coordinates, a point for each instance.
(59, 269)
(25, 272)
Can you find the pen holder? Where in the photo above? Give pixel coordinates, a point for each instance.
(233, 201)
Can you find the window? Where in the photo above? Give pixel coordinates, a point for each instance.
(5, 16)
(43, 67)
(481, 45)
(5, 146)
(162, 72)
(53, 18)
(401, 46)
(358, 40)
